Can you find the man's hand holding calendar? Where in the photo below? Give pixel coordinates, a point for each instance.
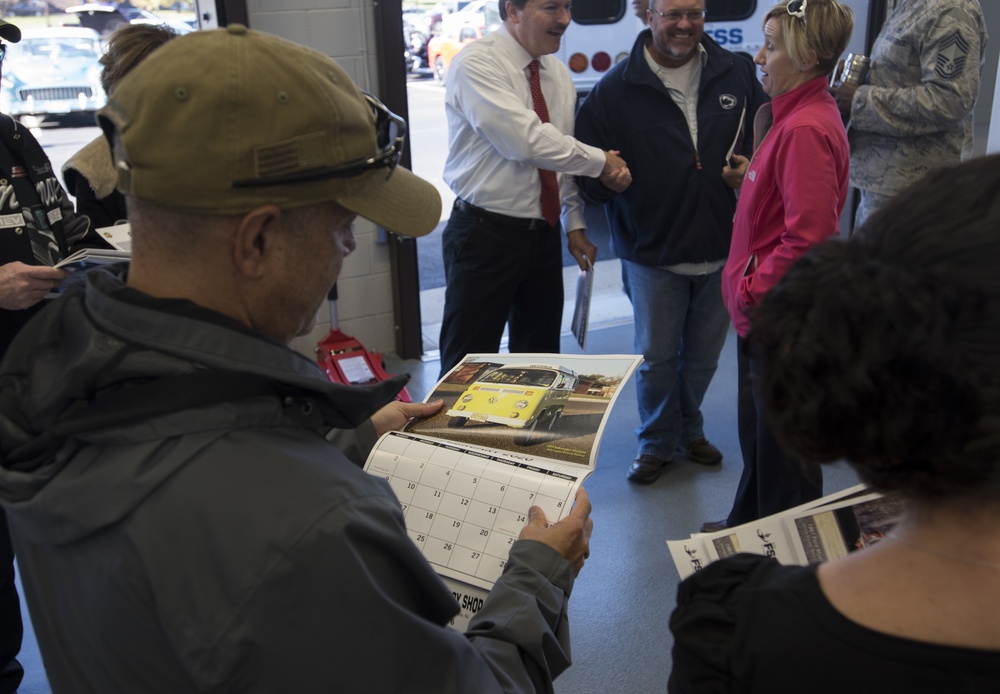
(570, 536)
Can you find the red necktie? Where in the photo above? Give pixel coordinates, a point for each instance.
(551, 205)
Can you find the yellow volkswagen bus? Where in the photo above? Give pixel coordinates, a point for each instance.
(530, 398)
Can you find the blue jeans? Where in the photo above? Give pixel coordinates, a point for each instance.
(680, 328)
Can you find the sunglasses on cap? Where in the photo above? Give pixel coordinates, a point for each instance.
(390, 137)
(797, 8)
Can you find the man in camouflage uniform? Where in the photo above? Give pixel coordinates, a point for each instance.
(914, 113)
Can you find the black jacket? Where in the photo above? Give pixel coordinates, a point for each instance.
(38, 225)
(678, 209)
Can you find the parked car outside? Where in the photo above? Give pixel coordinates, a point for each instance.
(429, 21)
(53, 71)
(28, 8)
(471, 13)
(414, 46)
(105, 18)
(442, 49)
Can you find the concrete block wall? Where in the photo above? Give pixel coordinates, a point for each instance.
(343, 30)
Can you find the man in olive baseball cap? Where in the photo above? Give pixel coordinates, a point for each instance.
(238, 124)
(234, 118)
(184, 491)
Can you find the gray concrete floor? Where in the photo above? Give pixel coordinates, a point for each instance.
(621, 605)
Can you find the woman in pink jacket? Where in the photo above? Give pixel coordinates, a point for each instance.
(791, 199)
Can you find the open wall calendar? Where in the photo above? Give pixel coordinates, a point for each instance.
(515, 431)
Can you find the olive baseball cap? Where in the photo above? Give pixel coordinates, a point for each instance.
(219, 122)
(9, 32)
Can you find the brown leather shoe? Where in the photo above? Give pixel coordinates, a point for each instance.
(645, 469)
(714, 526)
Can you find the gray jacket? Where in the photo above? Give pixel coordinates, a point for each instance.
(915, 112)
(230, 546)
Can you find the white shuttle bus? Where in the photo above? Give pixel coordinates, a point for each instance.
(601, 35)
(603, 31)
(737, 25)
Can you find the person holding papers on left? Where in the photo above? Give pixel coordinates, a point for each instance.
(38, 226)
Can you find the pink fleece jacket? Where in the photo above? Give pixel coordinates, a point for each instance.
(791, 198)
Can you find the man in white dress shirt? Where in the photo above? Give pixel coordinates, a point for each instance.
(502, 250)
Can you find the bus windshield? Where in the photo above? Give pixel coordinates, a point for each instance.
(541, 378)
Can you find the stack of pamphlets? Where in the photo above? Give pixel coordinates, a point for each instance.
(581, 310)
(824, 529)
(77, 264)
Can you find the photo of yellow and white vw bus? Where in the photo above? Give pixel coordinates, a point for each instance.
(530, 398)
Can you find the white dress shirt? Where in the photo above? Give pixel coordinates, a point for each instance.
(496, 141)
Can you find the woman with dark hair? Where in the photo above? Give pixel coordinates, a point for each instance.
(883, 350)
(790, 199)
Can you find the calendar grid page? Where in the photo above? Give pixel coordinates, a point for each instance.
(465, 507)
(514, 431)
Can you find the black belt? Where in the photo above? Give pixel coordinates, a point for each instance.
(515, 222)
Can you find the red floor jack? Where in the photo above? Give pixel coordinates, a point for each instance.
(345, 360)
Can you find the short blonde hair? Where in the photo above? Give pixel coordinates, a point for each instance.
(825, 28)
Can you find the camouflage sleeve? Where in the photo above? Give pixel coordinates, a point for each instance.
(950, 54)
